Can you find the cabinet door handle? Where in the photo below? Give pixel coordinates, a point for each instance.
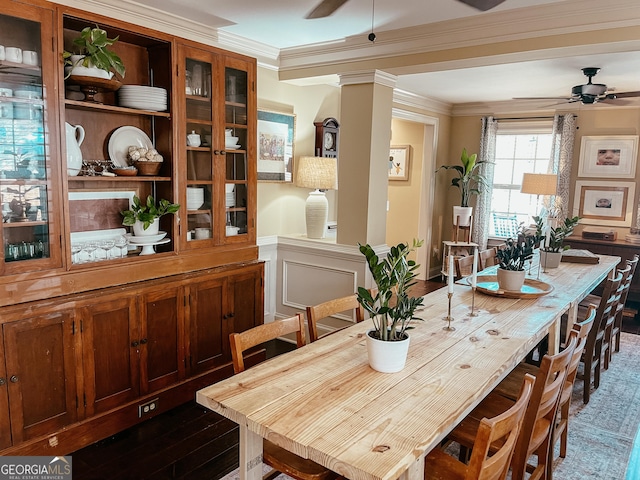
(216, 152)
(222, 152)
(2, 381)
(225, 316)
(134, 343)
(13, 379)
(231, 315)
(143, 341)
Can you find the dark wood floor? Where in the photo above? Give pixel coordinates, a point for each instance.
(188, 442)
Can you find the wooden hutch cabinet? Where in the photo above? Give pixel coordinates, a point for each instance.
(92, 334)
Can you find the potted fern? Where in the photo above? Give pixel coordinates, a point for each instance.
(469, 182)
(552, 244)
(390, 306)
(512, 260)
(145, 217)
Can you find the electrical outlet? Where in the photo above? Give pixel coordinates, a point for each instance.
(147, 408)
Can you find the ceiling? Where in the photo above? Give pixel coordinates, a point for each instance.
(280, 25)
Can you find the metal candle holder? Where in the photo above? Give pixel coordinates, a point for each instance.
(448, 318)
(473, 302)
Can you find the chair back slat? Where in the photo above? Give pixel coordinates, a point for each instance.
(240, 342)
(326, 309)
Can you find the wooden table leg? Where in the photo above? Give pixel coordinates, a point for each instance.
(250, 455)
(554, 336)
(415, 471)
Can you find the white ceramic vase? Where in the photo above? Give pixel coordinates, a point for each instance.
(139, 231)
(550, 259)
(463, 215)
(510, 280)
(387, 357)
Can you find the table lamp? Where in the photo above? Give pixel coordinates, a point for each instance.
(320, 173)
(539, 184)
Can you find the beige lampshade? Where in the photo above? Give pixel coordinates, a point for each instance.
(539, 183)
(317, 172)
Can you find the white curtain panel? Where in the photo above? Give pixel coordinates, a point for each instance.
(487, 153)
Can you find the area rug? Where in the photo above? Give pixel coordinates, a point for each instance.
(601, 433)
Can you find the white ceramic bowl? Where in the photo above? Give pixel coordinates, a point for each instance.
(228, 140)
(231, 231)
(229, 187)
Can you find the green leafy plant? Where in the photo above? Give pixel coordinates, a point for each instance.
(557, 235)
(390, 306)
(516, 252)
(468, 181)
(92, 45)
(147, 212)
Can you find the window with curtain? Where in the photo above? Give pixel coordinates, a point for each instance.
(521, 147)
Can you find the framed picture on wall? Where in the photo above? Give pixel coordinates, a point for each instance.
(399, 162)
(608, 156)
(276, 133)
(604, 203)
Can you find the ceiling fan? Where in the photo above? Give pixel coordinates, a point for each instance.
(589, 93)
(327, 7)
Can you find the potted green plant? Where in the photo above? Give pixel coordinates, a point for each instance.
(92, 56)
(512, 260)
(144, 217)
(390, 306)
(552, 240)
(469, 182)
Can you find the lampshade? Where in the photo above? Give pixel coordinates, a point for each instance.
(539, 183)
(320, 173)
(317, 172)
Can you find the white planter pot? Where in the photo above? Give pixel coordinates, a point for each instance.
(82, 71)
(139, 231)
(510, 280)
(387, 357)
(550, 259)
(462, 215)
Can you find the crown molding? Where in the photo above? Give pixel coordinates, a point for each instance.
(534, 107)
(419, 102)
(369, 76)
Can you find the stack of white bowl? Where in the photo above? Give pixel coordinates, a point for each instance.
(142, 97)
(195, 198)
(230, 142)
(230, 198)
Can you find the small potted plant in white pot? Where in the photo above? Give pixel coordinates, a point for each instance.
(552, 240)
(391, 308)
(92, 57)
(469, 182)
(144, 218)
(512, 260)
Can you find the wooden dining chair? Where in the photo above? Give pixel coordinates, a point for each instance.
(503, 429)
(331, 307)
(464, 266)
(608, 343)
(537, 429)
(510, 385)
(592, 354)
(487, 258)
(278, 458)
(620, 310)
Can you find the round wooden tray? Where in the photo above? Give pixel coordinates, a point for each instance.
(91, 86)
(532, 288)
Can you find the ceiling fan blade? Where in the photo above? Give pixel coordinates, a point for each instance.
(625, 94)
(543, 98)
(325, 8)
(482, 5)
(617, 101)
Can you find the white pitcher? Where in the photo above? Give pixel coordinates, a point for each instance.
(75, 137)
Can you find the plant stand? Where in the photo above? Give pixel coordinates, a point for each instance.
(465, 230)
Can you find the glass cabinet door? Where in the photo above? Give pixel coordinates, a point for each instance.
(235, 145)
(200, 175)
(28, 226)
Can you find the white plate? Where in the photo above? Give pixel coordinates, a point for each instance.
(120, 141)
(147, 238)
(144, 106)
(232, 147)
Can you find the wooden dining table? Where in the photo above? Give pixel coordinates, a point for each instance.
(325, 403)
